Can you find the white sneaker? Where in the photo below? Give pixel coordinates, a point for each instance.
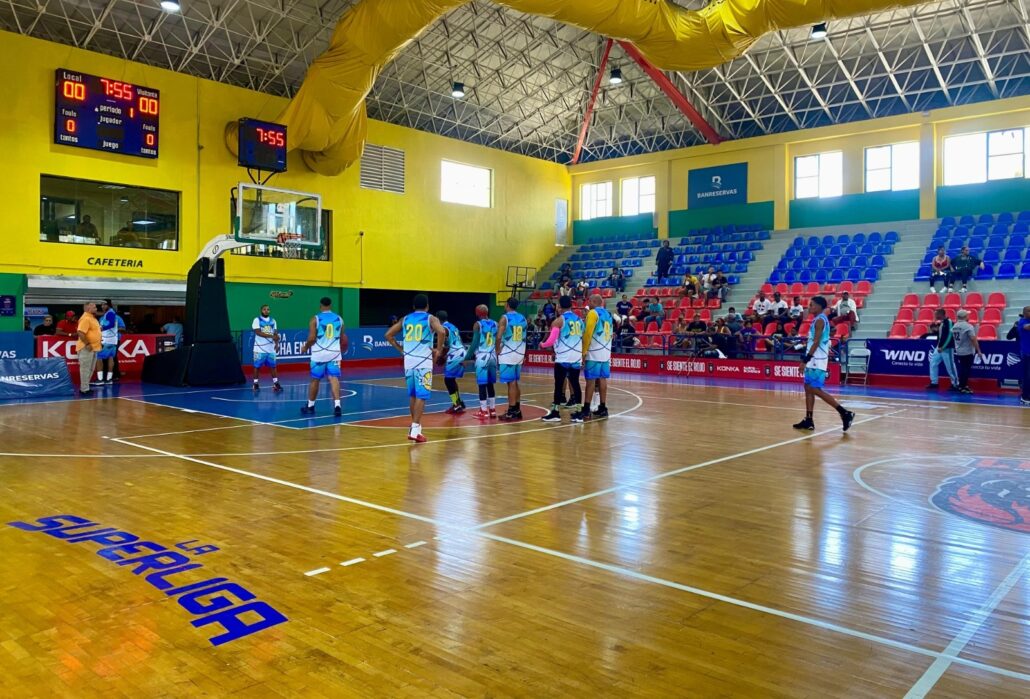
(963, 290)
(933, 290)
(949, 289)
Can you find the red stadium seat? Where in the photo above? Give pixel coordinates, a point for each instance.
(699, 303)
(669, 303)
(997, 300)
(992, 315)
(797, 288)
(910, 301)
(787, 327)
(842, 330)
(898, 331)
(666, 327)
(652, 327)
(974, 300)
(931, 301)
(641, 292)
(714, 303)
(639, 327)
(829, 289)
(864, 288)
(925, 315)
(952, 301)
(757, 326)
(706, 316)
(974, 315)
(987, 332)
(919, 329)
(905, 315)
(607, 293)
(805, 327)
(846, 286)
(769, 329)
(767, 289)
(782, 288)
(536, 295)
(951, 313)
(685, 302)
(675, 314)
(812, 289)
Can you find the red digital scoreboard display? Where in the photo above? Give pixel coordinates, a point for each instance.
(106, 114)
(262, 145)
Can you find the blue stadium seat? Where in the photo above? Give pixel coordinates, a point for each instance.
(874, 238)
(871, 274)
(986, 218)
(966, 220)
(789, 277)
(854, 275)
(1006, 217)
(843, 239)
(837, 276)
(999, 229)
(836, 250)
(977, 242)
(828, 240)
(740, 268)
(981, 229)
(813, 242)
(851, 249)
(858, 239)
(815, 263)
(960, 232)
(764, 235)
(948, 221)
(843, 263)
(798, 242)
(868, 249)
(1013, 255)
(1024, 272)
(996, 241)
(1006, 271)
(986, 273)
(1021, 227)
(1018, 240)
(885, 249)
(821, 276)
(922, 274)
(991, 256)
(545, 286)
(733, 280)
(891, 237)
(805, 276)
(861, 261)
(878, 261)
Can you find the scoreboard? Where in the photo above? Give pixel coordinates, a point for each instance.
(105, 114)
(262, 145)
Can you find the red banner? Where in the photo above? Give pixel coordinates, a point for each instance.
(131, 351)
(745, 369)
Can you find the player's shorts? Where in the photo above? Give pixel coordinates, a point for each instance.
(420, 382)
(264, 359)
(107, 351)
(597, 370)
(816, 378)
(569, 365)
(320, 370)
(455, 367)
(486, 371)
(509, 373)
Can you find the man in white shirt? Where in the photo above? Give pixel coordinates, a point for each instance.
(778, 307)
(266, 343)
(845, 310)
(708, 279)
(762, 305)
(796, 310)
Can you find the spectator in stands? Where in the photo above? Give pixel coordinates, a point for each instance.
(655, 312)
(777, 309)
(796, 311)
(69, 326)
(844, 311)
(1023, 334)
(708, 281)
(617, 278)
(747, 337)
(627, 338)
(964, 268)
(622, 309)
(47, 327)
(762, 305)
(734, 322)
(581, 290)
(967, 349)
(720, 286)
(566, 288)
(697, 326)
(680, 335)
(940, 269)
(664, 260)
(944, 352)
(689, 288)
(548, 311)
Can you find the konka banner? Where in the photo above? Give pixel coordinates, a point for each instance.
(131, 351)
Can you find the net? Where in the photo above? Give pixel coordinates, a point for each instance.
(290, 244)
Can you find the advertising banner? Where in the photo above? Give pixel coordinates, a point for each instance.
(912, 358)
(717, 186)
(365, 343)
(16, 345)
(34, 378)
(132, 349)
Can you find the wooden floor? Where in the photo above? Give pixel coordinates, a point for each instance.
(691, 546)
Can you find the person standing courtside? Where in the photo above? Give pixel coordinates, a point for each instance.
(327, 344)
(88, 345)
(567, 339)
(484, 349)
(815, 365)
(597, 357)
(943, 352)
(419, 330)
(455, 367)
(967, 349)
(266, 346)
(1023, 330)
(108, 343)
(511, 353)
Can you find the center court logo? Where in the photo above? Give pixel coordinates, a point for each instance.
(996, 492)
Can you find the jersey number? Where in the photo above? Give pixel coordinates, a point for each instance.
(575, 328)
(516, 333)
(607, 330)
(489, 340)
(413, 333)
(330, 332)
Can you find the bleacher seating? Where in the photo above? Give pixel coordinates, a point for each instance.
(729, 248)
(835, 259)
(915, 314)
(1000, 241)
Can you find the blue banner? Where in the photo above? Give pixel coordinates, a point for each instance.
(365, 343)
(17, 345)
(912, 358)
(717, 186)
(34, 378)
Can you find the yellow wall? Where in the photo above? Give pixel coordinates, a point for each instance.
(411, 240)
(771, 158)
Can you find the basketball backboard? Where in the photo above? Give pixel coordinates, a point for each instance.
(263, 215)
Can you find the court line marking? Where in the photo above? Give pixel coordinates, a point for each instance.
(966, 423)
(617, 570)
(351, 394)
(316, 571)
(385, 552)
(415, 544)
(353, 561)
(858, 478)
(192, 410)
(934, 673)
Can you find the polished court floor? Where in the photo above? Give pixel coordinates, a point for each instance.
(215, 543)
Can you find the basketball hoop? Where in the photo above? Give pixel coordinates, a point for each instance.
(289, 244)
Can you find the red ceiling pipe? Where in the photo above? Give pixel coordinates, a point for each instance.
(590, 105)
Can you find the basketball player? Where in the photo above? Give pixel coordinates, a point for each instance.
(109, 343)
(419, 328)
(597, 357)
(266, 344)
(567, 339)
(815, 364)
(484, 349)
(327, 344)
(455, 368)
(511, 353)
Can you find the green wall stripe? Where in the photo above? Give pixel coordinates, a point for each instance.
(871, 207)
(987, 198)
(612, 226)
(760, 213)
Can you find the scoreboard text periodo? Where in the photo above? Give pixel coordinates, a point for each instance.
(105, 114)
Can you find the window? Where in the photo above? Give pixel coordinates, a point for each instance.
(466, 184)
(637, 196)
(979, 157)
(318, 254)
(892, 168)
(820, 175)
(85, 212)
(382, 169)
(595, 200)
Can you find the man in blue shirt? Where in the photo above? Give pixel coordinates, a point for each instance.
(1023, 329)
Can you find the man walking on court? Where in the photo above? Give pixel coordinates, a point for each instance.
(567, 339)
(108, 343)
(327, 344)
(266, 344)
(455, 368)
(511, 353)
(88, 345)
(597, 357)
(944, 352)
(484, 349)
(419, 330)
(815, 365)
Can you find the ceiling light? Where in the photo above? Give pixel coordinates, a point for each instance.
(458, 90)
(170, 6)
(819, 30)
(616, 77)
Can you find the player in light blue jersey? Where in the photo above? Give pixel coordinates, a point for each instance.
(511, 353)
(327, 343)
(266, 345)
(567, 339)
(597, 357)
(815, 365)
(484, 350)
(420, 328)
(109, 343)
(455, 363)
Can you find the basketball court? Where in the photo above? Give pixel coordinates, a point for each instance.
(690, 545)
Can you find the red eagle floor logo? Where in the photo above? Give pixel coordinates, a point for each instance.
(994, 492)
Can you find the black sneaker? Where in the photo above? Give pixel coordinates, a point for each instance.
(277, 387)
(337, 411)
(847, 418)
(305, 410)
(553, 416)
(1024, 401)
(87, 392)
(954, 389)
(511, 416)
(931, 387)
(806, 424)
(601, 412)
(572, 406)
(578, 416)
(967, 390)
(256, 388)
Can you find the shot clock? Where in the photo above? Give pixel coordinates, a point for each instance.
(262, 145)
(106, 114)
